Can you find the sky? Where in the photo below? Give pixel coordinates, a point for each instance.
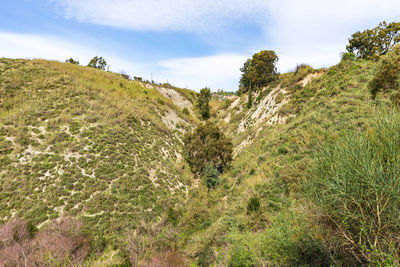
(188, 43)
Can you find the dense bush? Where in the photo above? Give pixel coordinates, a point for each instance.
(356, 184)
(185, 111)
(207, 145)
(372, 43)
(203, 103)
(98, 63)
(349, 56)
(387, 74)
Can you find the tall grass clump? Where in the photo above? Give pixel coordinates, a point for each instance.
(356, 185)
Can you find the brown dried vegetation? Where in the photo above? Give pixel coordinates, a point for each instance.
(59, 243)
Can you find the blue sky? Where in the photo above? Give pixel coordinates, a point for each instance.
(189, 43)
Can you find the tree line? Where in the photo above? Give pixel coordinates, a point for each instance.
(96, 62)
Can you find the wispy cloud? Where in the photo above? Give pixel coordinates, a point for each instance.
(158, 15)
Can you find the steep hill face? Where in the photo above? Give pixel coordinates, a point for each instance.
(259, 215)
(87, 143)
(244, 124)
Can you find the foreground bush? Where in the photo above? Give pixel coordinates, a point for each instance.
(356, 184)
(60, 243)
(289, 241)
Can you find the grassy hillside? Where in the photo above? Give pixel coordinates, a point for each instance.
(90, 144)
(260, 214)
(83, 142)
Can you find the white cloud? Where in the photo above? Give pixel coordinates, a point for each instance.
(315, 32)
(217, 71)
(312, 31)
(307, 31)
(29, 46)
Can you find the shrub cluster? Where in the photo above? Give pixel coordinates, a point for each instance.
(372, 43)
(207, 145)
(356, 184)
(387, 74)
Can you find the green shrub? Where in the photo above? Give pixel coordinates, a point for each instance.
(283, 149)
(289, 241)
(203, 102)
(72, 61)
(253, 205)
(387, 74)
(172, 216)
(349, 56)
(206, 257)
(211, 176)
(356, 184)
(98, 63)
(207, 145)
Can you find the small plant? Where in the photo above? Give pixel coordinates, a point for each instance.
(172, 216)
(279, 98)
(185, 111)
(124, 75)
(283, 149)
(72, 61)
(211, 176)
(253, 205)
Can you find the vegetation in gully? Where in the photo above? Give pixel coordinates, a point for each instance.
(296, 169)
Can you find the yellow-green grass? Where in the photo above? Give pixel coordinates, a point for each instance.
(84, 142)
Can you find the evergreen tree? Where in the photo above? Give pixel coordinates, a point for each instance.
(98, 63)
(262, 70)
(207, 145)
(203, 103)
(244, 83)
